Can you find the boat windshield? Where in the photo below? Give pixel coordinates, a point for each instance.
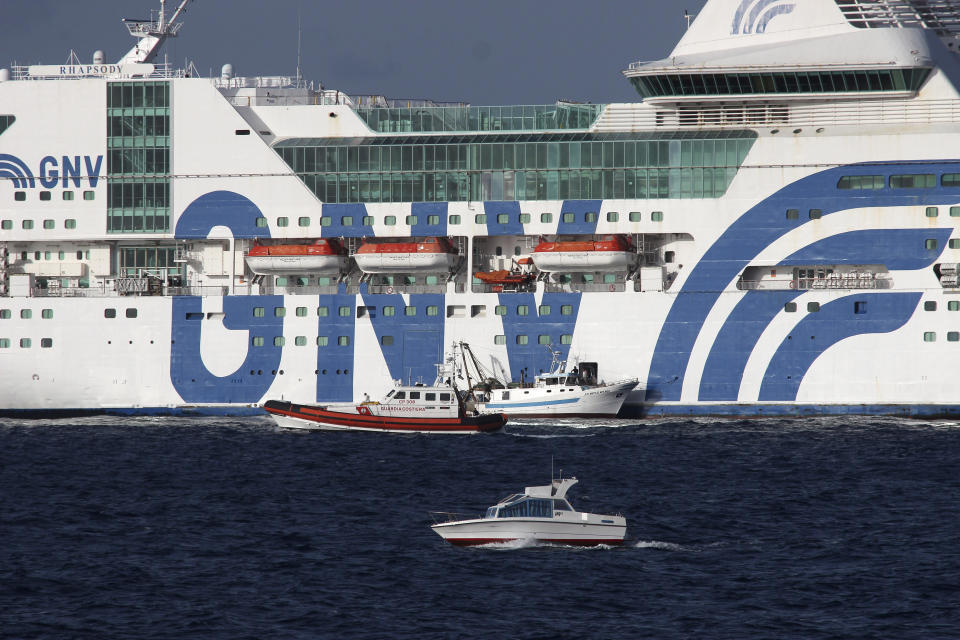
(491, 512)
(528, 508)
(561, 505)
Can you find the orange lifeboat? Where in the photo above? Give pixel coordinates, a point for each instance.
(324, 256)
(427, 255)
(513, 279)
(609, 253)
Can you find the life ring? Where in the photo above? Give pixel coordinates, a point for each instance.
(362, 410)
(613, 288)
(793, 284)
(389, 289)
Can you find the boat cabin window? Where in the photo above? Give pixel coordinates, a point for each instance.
(571, 380)
(528, 508)
(391, 393)
(430, 397)
(561, 505)
(491, 512)
(414, 395)
(552, 381)
(444, 397)
(400, 395)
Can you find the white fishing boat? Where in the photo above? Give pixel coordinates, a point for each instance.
(574, 393)
(539, 514)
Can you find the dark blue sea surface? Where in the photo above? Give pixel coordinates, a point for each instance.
(231, 528)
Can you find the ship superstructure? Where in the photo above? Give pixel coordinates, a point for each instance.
(782, 203)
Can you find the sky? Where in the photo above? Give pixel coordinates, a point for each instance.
(484, 52)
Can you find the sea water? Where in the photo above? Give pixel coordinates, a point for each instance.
(232, 528)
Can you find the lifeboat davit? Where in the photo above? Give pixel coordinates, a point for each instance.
(324, 256)
(427, 255)
(610, 253)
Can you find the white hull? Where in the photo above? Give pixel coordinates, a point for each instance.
(574, 401)
(405, 262)
(489, 530)
(576, 261)
(322, 265)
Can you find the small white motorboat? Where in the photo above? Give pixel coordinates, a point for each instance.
(540, 514)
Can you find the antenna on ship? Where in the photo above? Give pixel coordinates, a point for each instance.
(152, 34)
(299, 35)
(688, 17)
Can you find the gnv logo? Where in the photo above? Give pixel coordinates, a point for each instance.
(51, 171)
(752, 16)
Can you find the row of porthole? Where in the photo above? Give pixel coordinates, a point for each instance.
(454, 219)
(316, 372)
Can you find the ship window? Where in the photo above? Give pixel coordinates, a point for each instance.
(524, 218)
(283, 221)
(566, 310)
(242, 132)
(27, 224)
(346, 221)
(430, 397)
(389, 311)
(954, 212)
(301, 312)
(860, 307)
(6, 225)
(279, 312)
(433, 310)
(953, 305)
(69, 223)
(813, 306)
(444, 397)
(400, 395)
(561, 505)
(300, 341)
(930, 305)
(386, 341)
(478, 311)
(323, 312)
(46, 343)
(414, 395)
(366, 221)
(261, 222)
(411, 220)
(4, 343)
(613, 216)
(456, 311)
(109, 313)
(88, 195)
(344, 312)
(500, 310)
(954, 243)
(19, 196)
(187, 316)
(45, 196)
(913, 181)
(258, 341)
(390, 220)
(790, 307)
(541, 339)
(303, 221)
(343, 341)
(480, 218)
(860, 182)
(131, 312)
(546, 217)
(503, 218)
(521, 339)
(500, 339)
(46, 254)
(544, 310)
(499, 251)
(36, 255)
(950, 180)
(566, 338)
(454, 219)
(568, 217)
(46, 314)
(929, 336)
(4, 314)
(932, 212)
(953, 336)
(931, 244)
(25, 343)
(523, 310)
(815, 214)
(656, 216)
(323, 341)
(590, 217)
(433, 220)
(410, 311)
(325, 221)
(278, 341)
(793, 214)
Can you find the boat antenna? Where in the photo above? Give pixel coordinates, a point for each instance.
(688, 17)
(299, 35)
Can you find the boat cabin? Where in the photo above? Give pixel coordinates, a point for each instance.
(519, 505)
(420, 401)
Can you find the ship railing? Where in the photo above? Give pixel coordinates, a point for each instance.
(814, 284)
(407, 288)
(160, 70)
(855, 113)
(439, 517)
(565, 287)
(198, 290)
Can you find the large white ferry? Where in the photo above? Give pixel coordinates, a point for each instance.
(783, 200)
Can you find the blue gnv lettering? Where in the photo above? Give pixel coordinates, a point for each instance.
(72, 170)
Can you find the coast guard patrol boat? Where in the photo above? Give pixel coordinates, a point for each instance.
(781, 206)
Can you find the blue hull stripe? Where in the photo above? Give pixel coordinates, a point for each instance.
(514, 405)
